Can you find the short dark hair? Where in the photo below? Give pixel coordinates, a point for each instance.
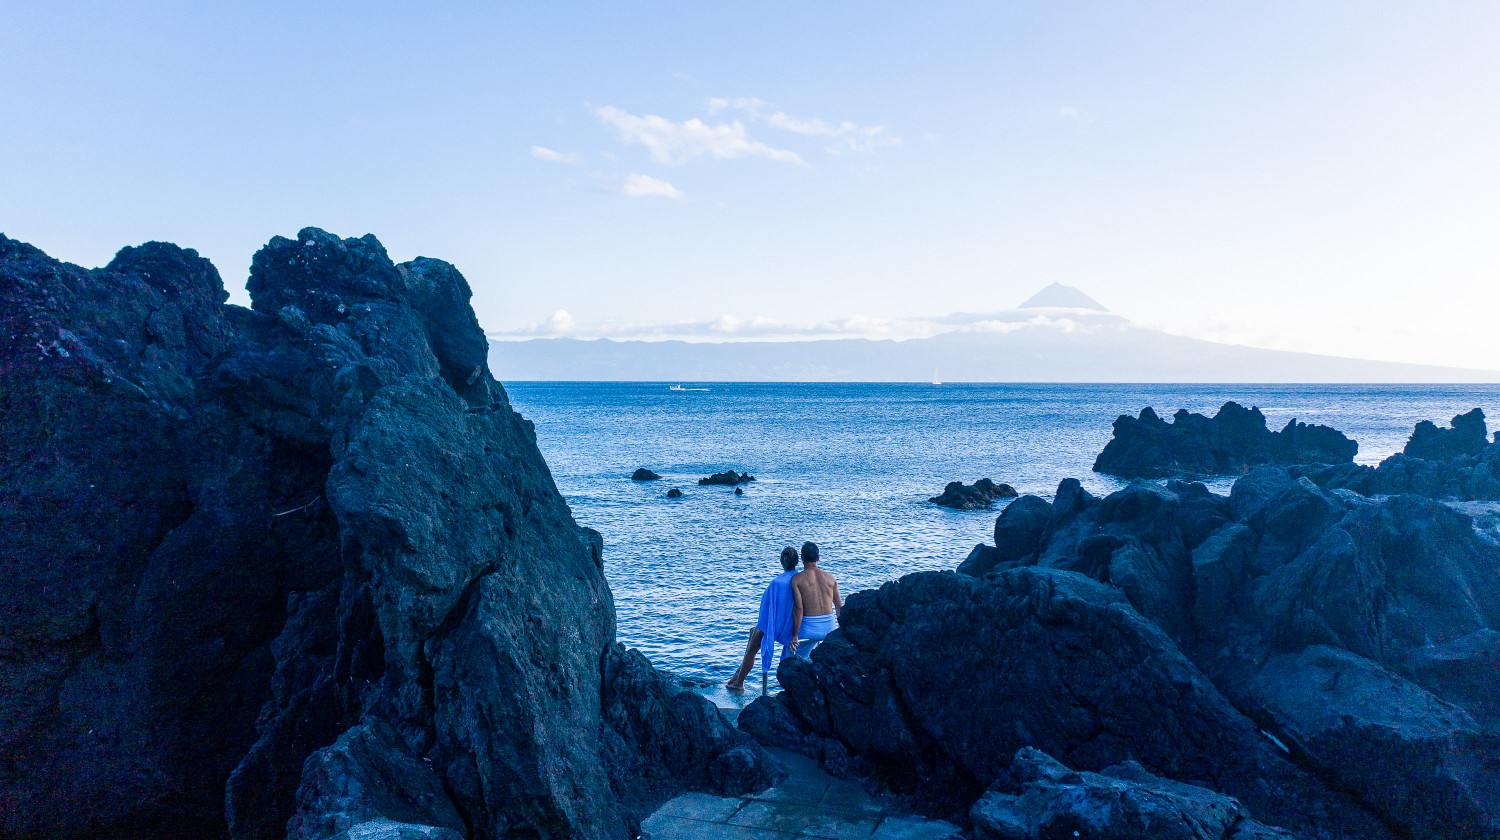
(809, 553)
(789, 558)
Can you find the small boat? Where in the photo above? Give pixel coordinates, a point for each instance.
(935, 380)
(680, 388)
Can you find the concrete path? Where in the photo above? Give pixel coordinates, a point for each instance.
(810, 803)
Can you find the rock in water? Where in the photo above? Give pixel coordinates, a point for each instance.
(728, 478)
(1467, 437)
(1232, 441)
(674, 493)
(644, 474)
(299, 567)
(980, 494)
(1456, 463)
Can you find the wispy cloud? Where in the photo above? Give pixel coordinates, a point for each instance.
(852, 136)
(679, 142)
(1069, 112)
(544, 153)
(644, 186)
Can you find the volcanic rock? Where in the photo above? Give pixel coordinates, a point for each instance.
(728, 478)
(674, 493)
(1232, 441)
(643, 474)
(980, 494)
(1454, 463)
(1042, 799)
(300, 563)
(1466, 437)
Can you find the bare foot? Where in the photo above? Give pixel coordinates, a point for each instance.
(736, 684)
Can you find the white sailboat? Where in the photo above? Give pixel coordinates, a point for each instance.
(680, 388)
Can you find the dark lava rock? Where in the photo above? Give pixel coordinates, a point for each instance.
(729, 478)
(739, 492)
(1361, 633)
(295, 568)
(980, 494)
(1420, 760)
(1467, 437)
(1232, 441)
(1454, 463)
(1041, 799)
(934, 681)
(674, 493)
(644, 474)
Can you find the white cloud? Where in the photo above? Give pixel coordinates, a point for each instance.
(642, 186)
(559, 323)
(1068, 112)
(853, 137)
(679, 142)
(544, 153)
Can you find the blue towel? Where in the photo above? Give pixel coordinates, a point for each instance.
(775, 617)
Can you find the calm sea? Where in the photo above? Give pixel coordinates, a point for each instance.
(851, 466)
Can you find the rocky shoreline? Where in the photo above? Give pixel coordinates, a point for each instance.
(299, 570)
(1288, 657)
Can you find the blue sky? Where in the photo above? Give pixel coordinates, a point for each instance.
(1317, 177)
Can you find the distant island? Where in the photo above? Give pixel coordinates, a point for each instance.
(1059, 334)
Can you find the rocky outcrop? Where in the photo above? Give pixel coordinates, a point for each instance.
(728, 478)
(299, 568)
(1042, 799)
(980, 494)
(643, 474)
(1172, 626)
(1231, 442)
(1455, 463)
(674, 493)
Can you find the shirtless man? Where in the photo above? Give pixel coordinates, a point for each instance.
(815, 602)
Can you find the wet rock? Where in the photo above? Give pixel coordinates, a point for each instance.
(674, 493)
(1233, 441)
(1041, 799)
(980, 494)
(297, 562)
(728, 478)
(643, 474)
(738, 491)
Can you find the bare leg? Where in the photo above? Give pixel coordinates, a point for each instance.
(751, 648)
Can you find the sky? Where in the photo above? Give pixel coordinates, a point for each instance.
(1320, 177)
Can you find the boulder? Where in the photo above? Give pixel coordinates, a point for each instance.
(1233, 441)
(643, 474)
(299, 564)
(980, 494)
(1018, 530)
(1419, 760)
(674, 493)
(1462, 671)
(728, 478)
(1041, 799)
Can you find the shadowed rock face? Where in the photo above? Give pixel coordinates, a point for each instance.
(1169, 626)
(301, 567)
(1232, 441)
(980, 494)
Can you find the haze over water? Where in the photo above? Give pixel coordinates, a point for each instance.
(850, 466)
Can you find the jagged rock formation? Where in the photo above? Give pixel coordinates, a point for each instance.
(980, 494)
(1042, 799)
(1171, 626)
(1233, 441)
(1454, 463)
(643, 474)
(728, 478)
(296, 569)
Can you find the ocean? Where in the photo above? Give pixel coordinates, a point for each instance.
(850, 467)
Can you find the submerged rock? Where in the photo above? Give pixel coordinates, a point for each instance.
(643, 474)
(297, 565)
(980, 494)
(728, 478)
(1232, 441)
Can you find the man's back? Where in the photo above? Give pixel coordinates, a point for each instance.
(817, 590)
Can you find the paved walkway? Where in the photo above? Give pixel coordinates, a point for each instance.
(810, 803)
